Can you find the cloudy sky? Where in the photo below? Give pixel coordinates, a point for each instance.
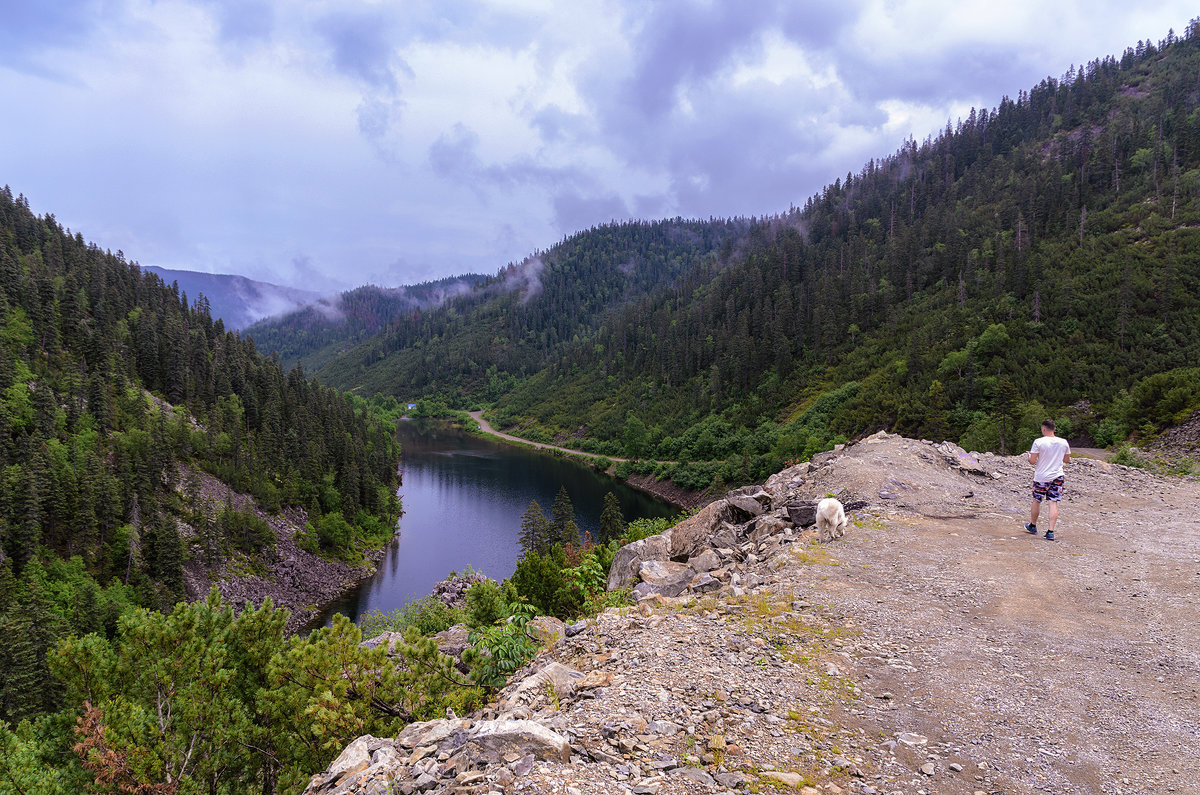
(330, 143)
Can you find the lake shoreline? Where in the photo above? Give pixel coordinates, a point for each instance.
(464, 494)
(664, 490)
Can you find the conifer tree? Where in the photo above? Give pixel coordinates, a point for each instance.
(535, 530)
(563, 529)
(612, 522)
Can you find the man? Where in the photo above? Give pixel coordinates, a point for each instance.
(1048, 454)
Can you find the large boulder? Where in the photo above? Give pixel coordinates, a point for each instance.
(961, 460)
(548, 630)
(627, 562)
(803, 513)
(501, 740)
(663, 577)
(705, 561)
(662, 572)
(367, 765)
(564, 679)
(767, 526)
(744, 507)
(429, 732)
(694, 534)
(388, 638)
(453, 641)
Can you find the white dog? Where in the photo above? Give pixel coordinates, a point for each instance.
(831, 520)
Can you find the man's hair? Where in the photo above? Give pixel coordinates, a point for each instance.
(1048, 424)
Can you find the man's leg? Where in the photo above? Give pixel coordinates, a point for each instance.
(1033, 511)
(1053, 513)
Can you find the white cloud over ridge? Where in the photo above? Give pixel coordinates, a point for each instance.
(352, 141)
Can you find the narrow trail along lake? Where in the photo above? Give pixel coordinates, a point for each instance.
(463, 499)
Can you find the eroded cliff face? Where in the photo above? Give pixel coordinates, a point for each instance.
(936, 647)
(291, 577)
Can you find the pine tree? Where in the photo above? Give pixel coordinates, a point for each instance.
(612, 522)
(535, 530)
(563, 529)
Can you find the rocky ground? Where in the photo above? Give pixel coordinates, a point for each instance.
(293, 578)
(935, 648)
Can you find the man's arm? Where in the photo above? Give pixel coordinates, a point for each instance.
(1033, 457)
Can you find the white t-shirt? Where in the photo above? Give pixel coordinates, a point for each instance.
(1051, 450)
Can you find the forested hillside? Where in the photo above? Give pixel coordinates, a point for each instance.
(115, 393)
(315, 333)
(1032, 256)
(484, 341)
(1038, 258)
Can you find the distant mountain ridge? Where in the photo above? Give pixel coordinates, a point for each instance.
(326, 327)
(236, 300)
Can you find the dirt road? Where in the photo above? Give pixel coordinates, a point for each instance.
(486, 427)
(1037, 666)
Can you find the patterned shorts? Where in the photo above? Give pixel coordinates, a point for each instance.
(1048, 491)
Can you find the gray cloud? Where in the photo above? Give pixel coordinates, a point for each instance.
(573, 211)
(29, 27)
(243, 22)
(454, 154)
(335, 141)
(578, 199)
(362, 46)
(685, 42)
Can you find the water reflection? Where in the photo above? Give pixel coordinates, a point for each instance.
(463, 499)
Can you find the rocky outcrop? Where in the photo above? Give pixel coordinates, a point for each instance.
(627, 563)
(453, 590)
(366, 767)
(961, 460)
(693, 534)
(442, 755)
(703, 553)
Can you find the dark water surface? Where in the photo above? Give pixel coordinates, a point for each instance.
(463, 499)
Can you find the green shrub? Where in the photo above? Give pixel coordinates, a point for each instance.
(428, 616)
(644, 528)
(1108, 432)
(334, 531)
(538, 579)
(1126, 457)
(485, 604)
(498, 650)
(246, 530)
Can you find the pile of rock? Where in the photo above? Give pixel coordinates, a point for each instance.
(453, 589)
(704, 553)
(442, 754)
(960, 459)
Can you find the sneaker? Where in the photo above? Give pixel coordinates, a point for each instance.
(1032, 528)
(1049, 535)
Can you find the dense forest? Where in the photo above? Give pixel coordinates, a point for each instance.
(320, 331)
(1038, 258)
(116, 393)
(506, 328)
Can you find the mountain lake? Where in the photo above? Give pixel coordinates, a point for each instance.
(463, 497)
